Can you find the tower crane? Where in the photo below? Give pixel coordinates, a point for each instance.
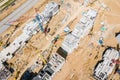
(38, 18)
(41, 57)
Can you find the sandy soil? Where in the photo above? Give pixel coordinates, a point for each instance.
(79, 64)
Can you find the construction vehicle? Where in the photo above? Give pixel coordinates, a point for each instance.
(44, 57)
(7, 42)
(41, 57)
(45, 54)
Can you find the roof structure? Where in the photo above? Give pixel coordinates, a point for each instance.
(54, 65)
(20, 41)
(105, 67)
(70, 43)
(82, 28)
(4, 74)
(31, 28)
(50, 10)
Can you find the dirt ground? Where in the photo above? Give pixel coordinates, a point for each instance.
(79, 64)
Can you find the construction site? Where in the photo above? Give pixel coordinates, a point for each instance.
(59, 40)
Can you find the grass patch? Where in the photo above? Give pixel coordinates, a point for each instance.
(1, 0)
(7, 4)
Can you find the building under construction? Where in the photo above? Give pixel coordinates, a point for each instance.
(5, 71)
(35, 54)
(54, 65)
(71, 41)
(29, 30)
(106, 66)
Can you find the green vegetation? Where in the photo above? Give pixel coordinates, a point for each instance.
(1, 0)
(7, 4)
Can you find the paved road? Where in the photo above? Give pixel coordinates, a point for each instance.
(17, 14)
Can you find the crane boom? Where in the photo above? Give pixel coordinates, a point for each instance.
(41, 27)
(39, 20)
(41, 57)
